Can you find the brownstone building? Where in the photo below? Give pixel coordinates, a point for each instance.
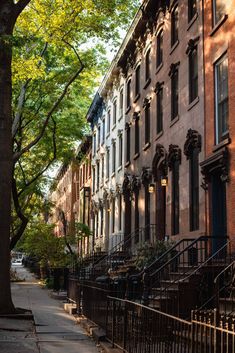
(162, 63)
(218, 167)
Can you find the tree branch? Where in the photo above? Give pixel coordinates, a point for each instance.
(17, 155)
(48, 164)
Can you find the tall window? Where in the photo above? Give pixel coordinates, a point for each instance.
(137, 81)
(137, 134)
(94, 144)
(114, 112)
(102, 168)
(175, 198)
(147, 65)
(136, 216)
(147, 123)
(159, 48)
(98, 176)
(108, 121)
(174, 94)
(192, 9)
(128, 142)
(159, 110)
(221, 98)
(98, 142)
(174, 26)
(120, 212)
(101, 221)
(113, 215)
(114, 157)
(97, 225)
(193, 75)
(121, 103)
(194, 189)
(147, 212)
(219, 10)
(103, 131)
(120, 150)
(128, 94)
(93, 179)
(107, 162)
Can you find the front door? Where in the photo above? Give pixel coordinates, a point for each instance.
(218, 212)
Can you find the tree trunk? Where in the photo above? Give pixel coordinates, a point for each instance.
(6, 28)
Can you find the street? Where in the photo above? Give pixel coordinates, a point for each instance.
(56, 331)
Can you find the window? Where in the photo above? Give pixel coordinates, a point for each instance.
(114, 112)
(94, 144)
(101, 221)
(114, 157)
(147, 122)
(159, 110)
(108, 122)
(159, 48)
(137, 81)
(107, 162)
(120, 150)
(98, 176)
(147, 212)
(175, 198)
(174, 94)
(174, 26)
(219, 10)
(221, 98)
(103, 131)
(128, 143)
(102, 169)
(136, 216)
(128, 94)
(93, 179)
(192, 9)
(193, 75)
(113, 215)
(98, 142)
(120, 212)
(121, 104)
(194, 189)
(147, 65)
(97, 225)
(137, 134)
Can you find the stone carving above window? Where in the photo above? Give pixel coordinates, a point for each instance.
(174, 155)
(193, 140)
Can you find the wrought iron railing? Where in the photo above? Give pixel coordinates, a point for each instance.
(224, 285)
(135, 328)
(164, 287)
(212, 332)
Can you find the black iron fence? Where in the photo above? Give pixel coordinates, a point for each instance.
(213, 332)
(139, 329)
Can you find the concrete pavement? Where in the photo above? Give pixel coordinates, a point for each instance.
(54, 332)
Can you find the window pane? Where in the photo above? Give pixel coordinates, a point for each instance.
(192, 9)
(174, 26)
(221, 96)
(219, 10)
(159, 111)
(193, 75)
(174, 95)
(159, 48)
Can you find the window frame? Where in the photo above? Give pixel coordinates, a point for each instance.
(193, 74)
(220, 135)
(174, 25)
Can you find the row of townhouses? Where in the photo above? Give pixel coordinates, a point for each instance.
(160, 157)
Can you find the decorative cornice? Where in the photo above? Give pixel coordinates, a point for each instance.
(135, 183)
(158, 86)
(159, 160)
(136, 115)
(173, 68)
(146, 175)
(174, 155)
(127, 126)
(192, 44)
(193, 140)
(217, 162)
(146, 102)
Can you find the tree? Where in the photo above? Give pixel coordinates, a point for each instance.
(37, 34)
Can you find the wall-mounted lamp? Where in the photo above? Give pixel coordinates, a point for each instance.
(108, 209)
(151, 188)
(164, 181)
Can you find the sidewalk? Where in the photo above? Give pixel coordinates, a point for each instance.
(52, 331)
